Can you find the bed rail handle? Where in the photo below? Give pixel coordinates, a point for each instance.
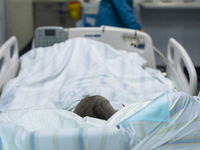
(119, 42)
(9, 62)
(177, 57)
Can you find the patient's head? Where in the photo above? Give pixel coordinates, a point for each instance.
(95, 106)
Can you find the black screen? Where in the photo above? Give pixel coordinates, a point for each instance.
(50, 32)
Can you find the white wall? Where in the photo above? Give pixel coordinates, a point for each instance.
(21, 12)
(2, 23)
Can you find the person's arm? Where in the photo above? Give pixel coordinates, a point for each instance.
(126, 14)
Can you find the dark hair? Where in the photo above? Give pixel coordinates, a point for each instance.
(95, 106)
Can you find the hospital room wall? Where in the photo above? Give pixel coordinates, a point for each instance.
(181, 24)
(2, 23)
(21, 14)
(4, 32)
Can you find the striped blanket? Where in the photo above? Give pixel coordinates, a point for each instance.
(181, 131)
(61, 75)
(36, 106)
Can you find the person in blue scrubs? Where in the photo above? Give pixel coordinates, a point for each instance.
(118, 13)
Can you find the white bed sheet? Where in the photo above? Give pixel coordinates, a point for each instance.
(61, 75)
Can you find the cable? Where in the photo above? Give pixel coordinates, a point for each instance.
(162, 57)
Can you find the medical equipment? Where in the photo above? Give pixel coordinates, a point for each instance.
(90, 11)
(56, 13)
(47, 36)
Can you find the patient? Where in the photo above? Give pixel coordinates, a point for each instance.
(95, 106)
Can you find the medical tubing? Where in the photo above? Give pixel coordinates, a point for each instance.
(162, 57)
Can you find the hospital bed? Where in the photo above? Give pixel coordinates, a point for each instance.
(125, 39)
(137, 126)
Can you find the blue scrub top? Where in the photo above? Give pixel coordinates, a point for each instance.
(118, 13)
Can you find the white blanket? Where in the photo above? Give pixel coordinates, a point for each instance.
(61, 75)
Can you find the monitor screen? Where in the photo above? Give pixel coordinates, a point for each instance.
(50, 32)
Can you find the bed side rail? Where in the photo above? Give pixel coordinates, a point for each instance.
(119, 38)
(177, 58)
(9, 62)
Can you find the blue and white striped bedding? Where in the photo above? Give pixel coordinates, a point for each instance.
(181, 132)
(36, 105)
(61, 75)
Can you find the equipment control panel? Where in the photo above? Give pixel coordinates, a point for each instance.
(47, 36)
